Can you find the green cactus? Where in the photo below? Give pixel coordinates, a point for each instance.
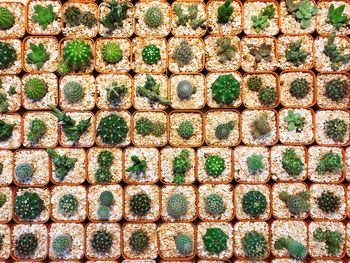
(255, 245)
(138, 168)
(7, 55)
(88, 19)
(300, 88)
(328, 202)
(255, 163)
(191, 16)
(183, 53)
(26, 245)
(63, 68)
(184, 244)
(260, 126)
(214, 204)
(177, 206)
(105, 158)
(261, 21)
(151, 91)
(255, 83)
(336, 17)
(215, 165)
(35, 88)
(185, 89)
(225, 49)
(158, 129)
(295, 55)
(267, 96)
(106, 198)
(103, 212)
(7, 19)
(302, 12)
(38, 55)
(154, 17)
(1, 168)
(295, 249)
(72, 16)
(62, 244)
(44, 15)
(143, 126)
(181, 165)
(5, 130)
(335, 53)
(225, 89)
(37, 129)
(68, 205)
(254, 203)
(333, 240)
(111, 52)
(115, 93)
(77, 53)
(73, 91)
(28, 206)
(63, 164)
(102, 241)
(2, 200)
(294, 121)
(330, 163)
(337, 89)
(24, 172)
(223, 130)
(296, 203)
(215, 240)
(139, 241)
(224, 12)
(292, 163)
(140, 204)
(117, 13)
(151, 54)
(112, 129)
(336, 129)
(103, 175)
(4, 105)
(185, 129)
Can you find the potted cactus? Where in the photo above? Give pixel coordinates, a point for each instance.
(68, 203)
(141, 203)
(5, 249)
(297, 88)
(12, 19)
(66, 241)
(103, 165)
(6, 164)
(251, 164)
(188, 18)
(6, 205)
(11, 56)
(187, 91)
(10, 93)
(11, 131)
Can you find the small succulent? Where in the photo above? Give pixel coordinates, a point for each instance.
(28, 206)
(138, 168)
(143, 126)
(106, 198)
(105, 158)
(295, 54)
(336, 129)
(223, 130)
(215, 240)
(295, 249)
(226, 89)
(255, 245)
(292, 163)
(154, 17)
(185, 89)
(2, 201)
(151, 91)
(24, 172)
(103, 175)
(63, 164)
(328, 202)
(88, 19)
(255, 163)
(333, 240)
(73, 91)
(296, 203)
(260, 126)
(300, 88)
(139, 241)
(38, 55)
(116, 15)
(225, 49)
(115, 93)
(37, 129)
(7, 55)
(7, 19)
(111, 52)
(112, 129)
(261, 21)
(294, 121)
(185, 129)
(44, 15)
(334, 53)
(62, 244)
(140, 204)
(151, 54)
(35, 88)
(72, 16)
(191, 16)
(215, 165)
(267, 96)
(68, 205)
(184, 244)
(183, 53)
(337, 89)
(302, 12)
(336, 17)
(254, 203)
(255, 83)
(330, 163)
(102, 241)
(177, 205)
(181, 164)
(5, 130)
(224, 12)
(4, 105)
(26, 245)
(263, 52)
(214, 204)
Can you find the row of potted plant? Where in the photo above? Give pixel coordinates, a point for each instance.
(181, 18)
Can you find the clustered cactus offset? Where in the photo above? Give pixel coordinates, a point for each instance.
(330, 162)
(267, 96)
(255, 83)
(151, 90)
(333, 240)
(298, 203)
(73, 16)
(37, 129)
(181, 165)
(191, 16)
(292, 163)
(295, 249)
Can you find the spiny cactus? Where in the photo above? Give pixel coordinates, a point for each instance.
(337, 89)
(151, 54)
(77, 53)
(115, 93)
(255, 83)
(183, 53)
(181, 164)
(139, 241)
(330, 163)
(302, 12)
(138, 168)
(336, 17)
(38, 55)
(255, 245)
(336, 129)
(300, 88)
(5, 130)
(295, 249)
(103, 175)
(68, 205)
(102, 241)
(191, 16)
(333, 239)
(295, 54)
(140, 204)
(328, 202)
(294, 121)
(185, 129)
(72, 16)
(154, 17)
(296, 203)
(151, 91)
(111, 52)
(28, 206)
(37, 129)
(63, 164)
(185, 89)
(24, 172)
(7, 55)
(88, 19)
(25, 245)
(214, 204)
(2, 200)
(158, 129)
(215, 165)
(116, 15)
(103, 212)
(292, 163)
(255, 163)
(268, 96)
(225, 89)
(335, 53)
(177, 205)
(73, 91)
(112, 129)
(184, 244)
(261, 21)
(105, 158)
(254, 203)
(7, 19)
(35, 88)
(224, 12)
(225, 49)
(260, 126)
(215, 240)
(62, 244)
(143, 126)
(223, 130)
(44, 15)
(106, 198)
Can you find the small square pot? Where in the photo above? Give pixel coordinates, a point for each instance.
(243, 228)
(203, 154)
(153, 193)
(286, 80)
(115, 168)
(7, 207)
(226, 194)
(6, 160)
(196, 100)
(235, 24)
(279, 208)
(318, 249)
(53, 28)
(202, 252)
(316, 213)
(347, 163)
(141, 26)
(151, 251)
(248, 118)
(249, 63)
(12, 86)
(79, 192)
(151, 156)
(14, 141)
(167, 233)
(16, 66)
(112, 229)
(51, 96)
(210, 79)
(49, 139)
(285, 228)
(189, 193)
(251, 97)
(278, 172)
(77, 174)
(315, 154)
(76, 232)
(44, 194)
(38, 160)
(287, 135)
(242, 173)
(17, 10)
(50, 46)
(196, 64)
(178, 117)
(123, 65)
(94, 203)
(139, 65)
(80, 30)
(40, 232)
(6, 242)
(87, 139)
(144, 103)
(123, 114)
(253, 8)
(323, 101)
(241, 190)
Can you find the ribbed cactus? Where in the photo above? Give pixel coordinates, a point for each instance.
(28, 206)
(77, 53)
(111, 52)
(7, 19)
(337, 89)
(106, 198)
(185, 89)
(25, 245)
(35, 88)
(102, 241)
(143, 126)
(112, 129)
(255, 83)
(225, 89)
(158, 129)
(183, 53)
(300, 88)
(7, 55)
(68, 205)
(184, 244)
(177, 205)
(215, 240)
(215, 165)
(214, 204)
(140, 204)
(103, 175)
(267, 96)
(328, 202)
(62, 244)
(105, 158)
(185, 129)
(151, 54)
(88, 19)
(24, 172)
(139, 241)
(254, 203)
(73, 91)
(154, 17)
(255, 245)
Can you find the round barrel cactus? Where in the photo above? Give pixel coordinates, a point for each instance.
(177, 205)
(139, 241)
(62, 244)
(225, 89)
(111, 52)
(35, 88)
(7, 55)
(185, 89)
(28, 206)
(151, 54)
(73, 91)
(214, 165)
(184, 244)
(25, 245)
(24, 172)
(112, 129)
(68, 204)
(7, 19)
(77, 54)
(154, 17)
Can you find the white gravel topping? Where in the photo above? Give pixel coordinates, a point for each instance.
(6, 159)
(6, 208)
(6, 242)
(347, 163)
(14, 141)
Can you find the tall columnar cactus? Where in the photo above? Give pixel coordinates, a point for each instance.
(28, 206)
(225, 89)
(112, 129)
(77, 53)
(255, 245)
(7, 19)
(7, 55)
(35, 88)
